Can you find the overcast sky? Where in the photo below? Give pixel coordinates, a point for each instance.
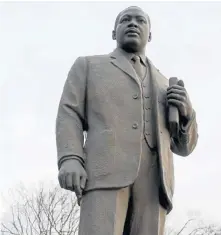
(39, 43)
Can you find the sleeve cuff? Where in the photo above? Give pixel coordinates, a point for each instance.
(65, 158)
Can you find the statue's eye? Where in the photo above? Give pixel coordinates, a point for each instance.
(125, 20)
(143, 21)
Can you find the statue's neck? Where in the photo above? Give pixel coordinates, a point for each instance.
(133, 51)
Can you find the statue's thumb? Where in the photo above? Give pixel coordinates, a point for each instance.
(83, 182)
(180, 83)
(79, 200)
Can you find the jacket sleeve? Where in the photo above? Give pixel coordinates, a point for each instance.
(71, 118)
(187, 138)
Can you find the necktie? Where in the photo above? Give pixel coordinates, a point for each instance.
(138, 66)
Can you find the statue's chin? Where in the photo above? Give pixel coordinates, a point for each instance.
(131, 46)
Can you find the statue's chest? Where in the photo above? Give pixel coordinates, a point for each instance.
(104, 79)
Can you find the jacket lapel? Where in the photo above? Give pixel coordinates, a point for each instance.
(119, 60)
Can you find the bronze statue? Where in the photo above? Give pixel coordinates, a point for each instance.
(123, 174)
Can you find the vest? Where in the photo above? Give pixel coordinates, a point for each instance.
(147, 110)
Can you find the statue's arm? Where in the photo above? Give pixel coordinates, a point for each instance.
(71, 119)
(185, 142)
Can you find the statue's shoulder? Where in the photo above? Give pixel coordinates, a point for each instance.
(94, 60)
(97, 58)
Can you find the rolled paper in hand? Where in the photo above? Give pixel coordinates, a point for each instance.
(173, 118)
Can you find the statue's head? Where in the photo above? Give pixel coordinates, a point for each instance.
(132, 29)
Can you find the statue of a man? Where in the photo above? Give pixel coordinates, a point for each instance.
(122, 173)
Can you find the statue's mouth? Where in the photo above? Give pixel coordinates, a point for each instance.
(132, 32)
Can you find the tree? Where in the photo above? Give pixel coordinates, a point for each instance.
(42, 212)
(206, 230)
(200, 229)
(55, 211)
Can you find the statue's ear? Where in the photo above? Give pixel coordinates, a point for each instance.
(150, 37)
(114, 35)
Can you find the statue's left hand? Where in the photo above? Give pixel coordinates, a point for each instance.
(178, 96)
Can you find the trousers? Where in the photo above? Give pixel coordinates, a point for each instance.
(133, 210)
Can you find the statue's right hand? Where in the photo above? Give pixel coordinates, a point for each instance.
(72, 176)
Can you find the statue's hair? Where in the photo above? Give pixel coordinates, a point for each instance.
(119, 15)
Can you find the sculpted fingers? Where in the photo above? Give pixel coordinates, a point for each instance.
(178, 87)
(179, 104)
(177, 92)
(76, 183)
(69, 182)
(175, 102)
(181, 83)
(83, 180)
(61, 179)
(179, 97)
(72, 176)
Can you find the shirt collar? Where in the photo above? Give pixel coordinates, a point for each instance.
(129, 56)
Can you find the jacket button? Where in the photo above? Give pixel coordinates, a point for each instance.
(135, 126)
(135, 96)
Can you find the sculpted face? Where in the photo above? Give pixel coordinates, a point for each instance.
(132, 29)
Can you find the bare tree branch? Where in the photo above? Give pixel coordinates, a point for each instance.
(42, 212)
(55, 211)
(184, 226)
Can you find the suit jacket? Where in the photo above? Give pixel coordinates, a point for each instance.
(102, 95)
